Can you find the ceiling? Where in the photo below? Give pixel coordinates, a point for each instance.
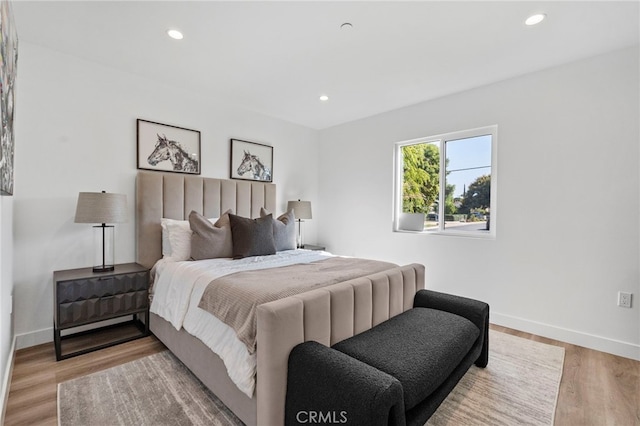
(277, 58)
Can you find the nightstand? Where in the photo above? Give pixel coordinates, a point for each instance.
(83, 297)
(312, 247)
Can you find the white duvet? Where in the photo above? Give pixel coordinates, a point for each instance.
(177, 291)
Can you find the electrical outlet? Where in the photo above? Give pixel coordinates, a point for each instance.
(624, 299)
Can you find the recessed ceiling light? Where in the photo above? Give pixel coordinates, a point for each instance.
(175, 34)
(324, 98)
(346, 26)
(535, 19)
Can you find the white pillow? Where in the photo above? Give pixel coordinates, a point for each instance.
(176, 239)
(166, 241)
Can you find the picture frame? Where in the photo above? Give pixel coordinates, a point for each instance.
(8, 68)
(250, 161)
(167, 148)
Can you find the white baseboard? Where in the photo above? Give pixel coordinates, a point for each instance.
(599, 343)
(6, 381)
(34, 338)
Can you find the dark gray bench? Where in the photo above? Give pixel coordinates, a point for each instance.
(397, 373)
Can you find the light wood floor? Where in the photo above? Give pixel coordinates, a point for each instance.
(596, 388)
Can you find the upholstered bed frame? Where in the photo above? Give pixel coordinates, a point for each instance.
(327, 315)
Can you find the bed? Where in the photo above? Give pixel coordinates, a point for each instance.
(327, 315)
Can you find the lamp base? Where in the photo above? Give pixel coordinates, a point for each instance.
(103, 259)
(299, 243)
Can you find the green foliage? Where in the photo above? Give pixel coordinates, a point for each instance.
(449, 203)
(478, 196)
(421, 177)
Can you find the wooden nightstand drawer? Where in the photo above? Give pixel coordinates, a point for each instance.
(86, 311)
(97, 287)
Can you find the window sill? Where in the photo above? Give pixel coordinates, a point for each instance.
(480, 235)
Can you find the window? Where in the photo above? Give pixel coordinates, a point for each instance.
(447, 183)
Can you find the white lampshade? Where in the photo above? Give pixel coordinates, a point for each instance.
(301, 209)
(101, 207)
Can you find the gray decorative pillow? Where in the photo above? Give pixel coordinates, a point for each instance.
(252, 237)
(284, 230)
(210, 241)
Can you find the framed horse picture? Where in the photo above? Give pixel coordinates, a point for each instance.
(251, 161)
(168, 148)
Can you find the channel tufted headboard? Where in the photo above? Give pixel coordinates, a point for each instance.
(174, 196)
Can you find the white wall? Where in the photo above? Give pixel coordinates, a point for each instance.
(568, 184)
(6, 288)
(76, 131)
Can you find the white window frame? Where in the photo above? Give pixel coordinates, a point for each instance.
(442, 140)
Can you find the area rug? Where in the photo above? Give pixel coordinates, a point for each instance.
(155, 390)
(519, 386)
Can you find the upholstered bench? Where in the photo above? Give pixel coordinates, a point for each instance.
(396, 373)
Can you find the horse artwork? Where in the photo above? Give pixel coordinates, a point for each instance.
(172, 151)
(168, 148)
(251, 161)
(252, 164)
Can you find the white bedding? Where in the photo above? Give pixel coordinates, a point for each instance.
(177, 291)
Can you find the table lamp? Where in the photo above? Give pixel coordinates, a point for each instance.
(301, 210)
(103, 208)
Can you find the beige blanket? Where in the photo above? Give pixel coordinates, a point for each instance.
(233, 299)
